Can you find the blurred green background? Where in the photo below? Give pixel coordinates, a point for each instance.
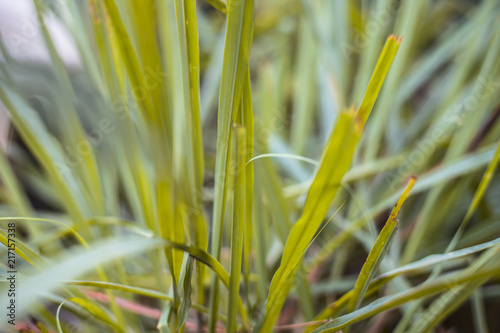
(130, 186)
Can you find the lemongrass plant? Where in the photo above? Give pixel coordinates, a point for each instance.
(231, 167)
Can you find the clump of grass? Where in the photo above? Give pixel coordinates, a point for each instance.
(140, 201)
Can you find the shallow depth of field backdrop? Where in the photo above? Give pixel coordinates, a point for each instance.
(250, 166)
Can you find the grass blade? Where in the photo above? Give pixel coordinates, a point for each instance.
(236, 54)
(381, 69)
(186, 295)
(219, 5)
(457, 294)
(478, 195)
(334, 164)
(414, 267)
(248, 123)
(127, 53)
(74, 265)
(97, 311)
(389, 302)
(237, 227)
(378, 252)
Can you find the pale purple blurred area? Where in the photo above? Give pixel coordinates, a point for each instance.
(24, 41)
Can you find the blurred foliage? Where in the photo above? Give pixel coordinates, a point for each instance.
(230, 166)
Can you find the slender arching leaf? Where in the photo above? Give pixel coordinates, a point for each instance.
(425, 263)
(478, 195)
(378, 251)
(23, 251)
(219, 5)
(237, 226)
(335, 162)
(457, 293)
(97, 311)
(73, 265)
(210, 262)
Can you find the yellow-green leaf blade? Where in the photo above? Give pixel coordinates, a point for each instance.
(382, 68)
(378, 252)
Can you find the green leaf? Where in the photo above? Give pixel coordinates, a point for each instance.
(237, 226)
(304, 89)
(75, 264)
(414, 267)
(95, 310)
(424, 290)
(478, 195)
(378, 252)
(336, 161)
(236, 55)
(130, 59)
(211, 263)
(186, 296)
(381, 69)
(452, 299)
(247, 120)
(443, 173)
(23, 251)
(187, 27)
(323, 189)
(219, 5)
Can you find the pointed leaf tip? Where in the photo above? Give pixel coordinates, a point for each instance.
(379, 74)
(396, 38)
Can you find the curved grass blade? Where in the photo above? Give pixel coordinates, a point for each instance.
(204, 257)
(414, 267)
(23, 251)
(424, 290)
(378, 252)
(75, 264)
(69, 228)
(121, 287)
(291, 156)
(458, 234)
(220, 5)
(435, 259)
(478, 195)
(335, 162)
(441, 174)
(97, 311)
(324, 187)
(236, 54)
(457, 294)
(211, 263)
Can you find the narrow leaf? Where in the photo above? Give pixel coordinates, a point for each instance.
(378, 251)
(237, 227)
(334, 164)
